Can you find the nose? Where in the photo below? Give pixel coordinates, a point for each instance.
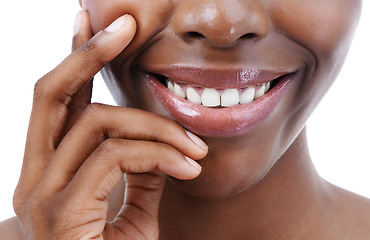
(221, 22)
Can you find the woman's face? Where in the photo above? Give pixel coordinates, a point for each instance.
(231, 48)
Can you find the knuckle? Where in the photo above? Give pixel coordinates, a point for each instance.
(91, 115)
(88, 114)
(90, 53)
(92, 110)
(20, 198)
(92, 119)
(95, 113)
(39, 88)
(107, 147)
(44, 91)
(139, 160)
(19, 201)
(86, 49)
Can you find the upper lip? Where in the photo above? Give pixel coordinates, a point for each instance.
(216, 77)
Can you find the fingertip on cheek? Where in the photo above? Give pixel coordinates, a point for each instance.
(124, 23)
(117, 25)
(77, 24)
(115, 38)
(81, 20)
(119, 33)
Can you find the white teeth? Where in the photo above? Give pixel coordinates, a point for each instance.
(260, 92)
(179, 92)
(267, 88)
(230, 97)
(193, 96)
(210, 98)
(170, 86)
(247, 96)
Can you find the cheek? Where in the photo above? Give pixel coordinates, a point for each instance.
(151, 16)
(325, 27)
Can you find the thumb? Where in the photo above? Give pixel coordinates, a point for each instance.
(138, 217)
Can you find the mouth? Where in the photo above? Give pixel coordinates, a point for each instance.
(218, 103)
(220, 97)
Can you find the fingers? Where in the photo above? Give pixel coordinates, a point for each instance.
(81, 153)
(82, 34)
(139, 213)
(54, 92)
(103, 170)
(100, 122)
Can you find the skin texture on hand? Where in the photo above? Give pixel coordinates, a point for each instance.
(77, 152)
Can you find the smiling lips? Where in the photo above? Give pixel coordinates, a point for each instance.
(214, 102)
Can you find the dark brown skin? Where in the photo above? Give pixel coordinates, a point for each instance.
(261, 185)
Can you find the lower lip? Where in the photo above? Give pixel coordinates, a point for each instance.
(218, 122)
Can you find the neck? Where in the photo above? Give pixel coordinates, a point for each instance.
(290, 194)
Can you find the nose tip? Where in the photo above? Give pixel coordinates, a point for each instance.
(221, 22)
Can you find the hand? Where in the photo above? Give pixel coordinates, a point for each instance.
(77, 152)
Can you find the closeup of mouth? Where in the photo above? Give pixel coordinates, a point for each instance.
(222, 97)
(215, 103)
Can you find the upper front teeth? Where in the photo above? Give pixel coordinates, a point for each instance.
(193, 96)
(230, 97)
(210, 97)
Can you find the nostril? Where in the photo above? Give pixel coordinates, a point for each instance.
(194, 35)
(249, 36)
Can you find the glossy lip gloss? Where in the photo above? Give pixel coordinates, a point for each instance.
(217, 122)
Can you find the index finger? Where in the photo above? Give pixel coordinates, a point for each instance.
(55, 91)
(79, 67)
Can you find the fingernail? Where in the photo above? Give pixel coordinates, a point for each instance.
(117, 24)
(197, 140)
(193, 163)
(77, 24)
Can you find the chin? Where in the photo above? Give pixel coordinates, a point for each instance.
(213, 184)
(204, 188)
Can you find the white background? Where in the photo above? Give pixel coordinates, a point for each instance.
(35, 36)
